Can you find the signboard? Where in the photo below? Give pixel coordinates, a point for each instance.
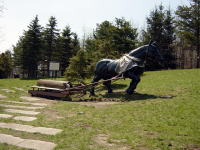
(54, 66)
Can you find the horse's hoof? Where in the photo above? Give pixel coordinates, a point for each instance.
(110, 91)
(129, 92)
(91, 94)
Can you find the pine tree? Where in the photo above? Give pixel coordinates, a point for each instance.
(188, 22)
(125, 36)
(75, 44)
(5, 64)
(155, 25)
(28, 49)
(110, 40)
(18, 50)
(78, 67)
(168, 39)
(50, 37)
(160, 28)
(65, 48)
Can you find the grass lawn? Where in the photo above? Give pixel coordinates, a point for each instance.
(146, 120)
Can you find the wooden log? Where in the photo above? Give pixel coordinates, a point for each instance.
(54, 84)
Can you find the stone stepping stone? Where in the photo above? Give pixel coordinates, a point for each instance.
(8, 90)
(27, 98)
(5, 116)
(2, 96)
(21, 118)
(26, 103)
(26, 143)
(25, 112)
(24, 118)
(21, 107)
(30, 129)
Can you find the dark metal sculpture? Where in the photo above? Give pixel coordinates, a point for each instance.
(129, 66)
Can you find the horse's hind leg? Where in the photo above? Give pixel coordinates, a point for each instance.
(95, 79)
(108, 86)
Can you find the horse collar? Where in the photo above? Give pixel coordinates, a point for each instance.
(133, 58)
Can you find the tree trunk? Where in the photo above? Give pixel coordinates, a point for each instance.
(198, 49)
(198, 35)
(198, 57)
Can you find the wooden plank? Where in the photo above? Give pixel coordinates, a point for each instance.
(47, 88)
(52, 94)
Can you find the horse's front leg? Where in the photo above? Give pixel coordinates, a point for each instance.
(95, 79)
(108, 86)
(133, 84)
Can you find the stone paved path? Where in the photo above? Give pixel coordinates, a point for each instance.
(21, 107)
(27, 98)
(25, 112)
(25, 118)
(26, 143)
(5, 116)
(26, 103)
(26, 108)
(30, 129)
(22, 118)
(2, 96)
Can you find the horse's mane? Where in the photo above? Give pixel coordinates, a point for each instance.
(135, 50)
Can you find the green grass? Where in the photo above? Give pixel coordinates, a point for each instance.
(144, 120)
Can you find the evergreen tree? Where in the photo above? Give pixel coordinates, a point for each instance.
(28, 49)
(125, 36)
(188, 23)
(160, 28)
(155, 25)
(50, 38)
(169, 27)
(110, 40)
(75, 43)
(115, 38)
(65, 48)
(78, 67)
(18, 49)
(5, 64)
(168, 39)
(104, 41)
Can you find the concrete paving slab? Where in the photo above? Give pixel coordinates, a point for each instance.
(2, 96)
(37, 145)
(25, 118)
(9, 139)
(5, 116)
(48, 131)
(14, 126)
(26, 143)
(27, 98)
(30, 129)
(25, 112)
(20, 107)
(26, 103)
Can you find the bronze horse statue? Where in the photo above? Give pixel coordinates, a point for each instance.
(131, 66)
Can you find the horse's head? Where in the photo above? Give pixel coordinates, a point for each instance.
(154, 52)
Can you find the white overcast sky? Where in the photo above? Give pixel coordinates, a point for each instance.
(81, 15)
